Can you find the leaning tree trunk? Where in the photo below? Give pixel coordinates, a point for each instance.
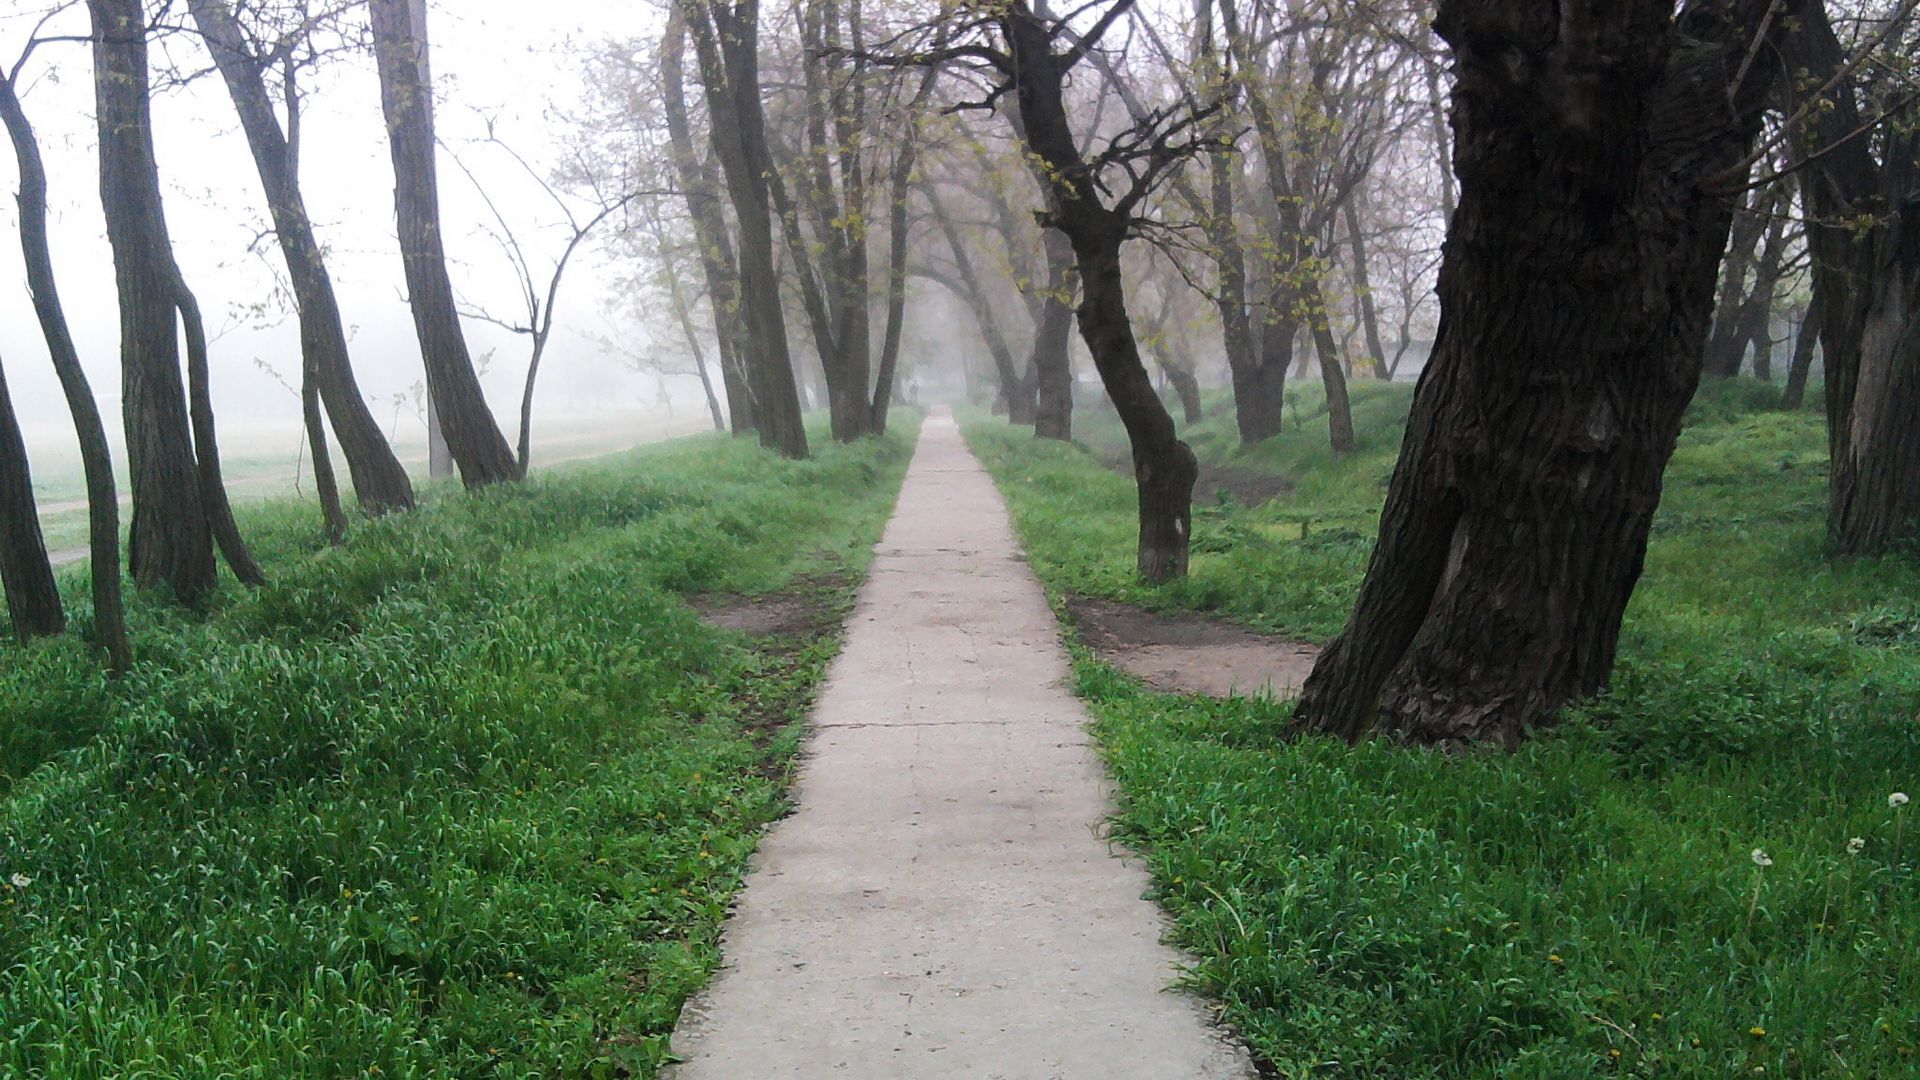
(1333, 375)
(406, 99)
(206, 449)
(1258, 405)
(1575, 296)
(103, 500)
(33, 598)
(171, 541)
(1011, 391)
(1363, 290)
(1164, 468)
(1726, 347)
(379, 480)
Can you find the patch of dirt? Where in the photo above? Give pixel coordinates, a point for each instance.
(1192, 654)
(783, 626)
(811, 607)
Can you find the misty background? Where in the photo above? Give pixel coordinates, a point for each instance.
(511, 70)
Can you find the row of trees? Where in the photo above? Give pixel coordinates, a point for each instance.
(1630, 197)
(180, 512)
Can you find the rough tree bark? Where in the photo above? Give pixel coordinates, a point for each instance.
(726, 42)
(700, 184)
(406, 98)
(103, 499)
(379, 481)
(1575, 296)
(26, 575)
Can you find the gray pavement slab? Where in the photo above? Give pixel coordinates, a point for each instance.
(943, 901)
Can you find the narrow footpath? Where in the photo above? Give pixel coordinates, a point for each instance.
(943, 902)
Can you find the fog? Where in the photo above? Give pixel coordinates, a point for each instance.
(511, 65)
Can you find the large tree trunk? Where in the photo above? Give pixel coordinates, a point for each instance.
(1575, 296)
(1164, 468)
(700, 186)
(1868, 282)
(379, 480)
(172, 544)
(33, 598)
(103, 500)
(406, 99)
(726, 42)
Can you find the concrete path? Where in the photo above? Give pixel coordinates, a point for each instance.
(942, 903)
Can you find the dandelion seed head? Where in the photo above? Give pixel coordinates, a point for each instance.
(1761, 858)
(19, 881)
(1856, 845)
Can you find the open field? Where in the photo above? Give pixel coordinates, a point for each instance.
(1591, 904)
(466, 796)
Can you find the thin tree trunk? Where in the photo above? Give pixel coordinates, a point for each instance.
(1794, 397)
(33, 598)
(1333, 376)
(325, 484)
(206, 449)
(1363, 289)
(1258, 408)
(1015, 402)
(1575, 296)
(380, 482)
(1052, 359)
(406, 99)
(1727, 344)
(899, 238)
(103, 500)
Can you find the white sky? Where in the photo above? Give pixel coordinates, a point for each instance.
(507, 59)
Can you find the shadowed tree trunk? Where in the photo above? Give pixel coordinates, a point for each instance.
(1727, 344)
(701, 187)
(33, 598)
(1864, 237)
(213, 488)
(1575, 296)
(406, 99)
(726, 41)
(379, 481)
(103, 500)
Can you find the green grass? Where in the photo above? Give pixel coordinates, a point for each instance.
(465, 797)
(1587, 906)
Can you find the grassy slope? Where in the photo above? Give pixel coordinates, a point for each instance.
(468, 796)
(1587, 906)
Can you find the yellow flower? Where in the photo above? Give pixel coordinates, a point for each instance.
(1554, 958)
(1657, 1016)
(1757, 1031)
